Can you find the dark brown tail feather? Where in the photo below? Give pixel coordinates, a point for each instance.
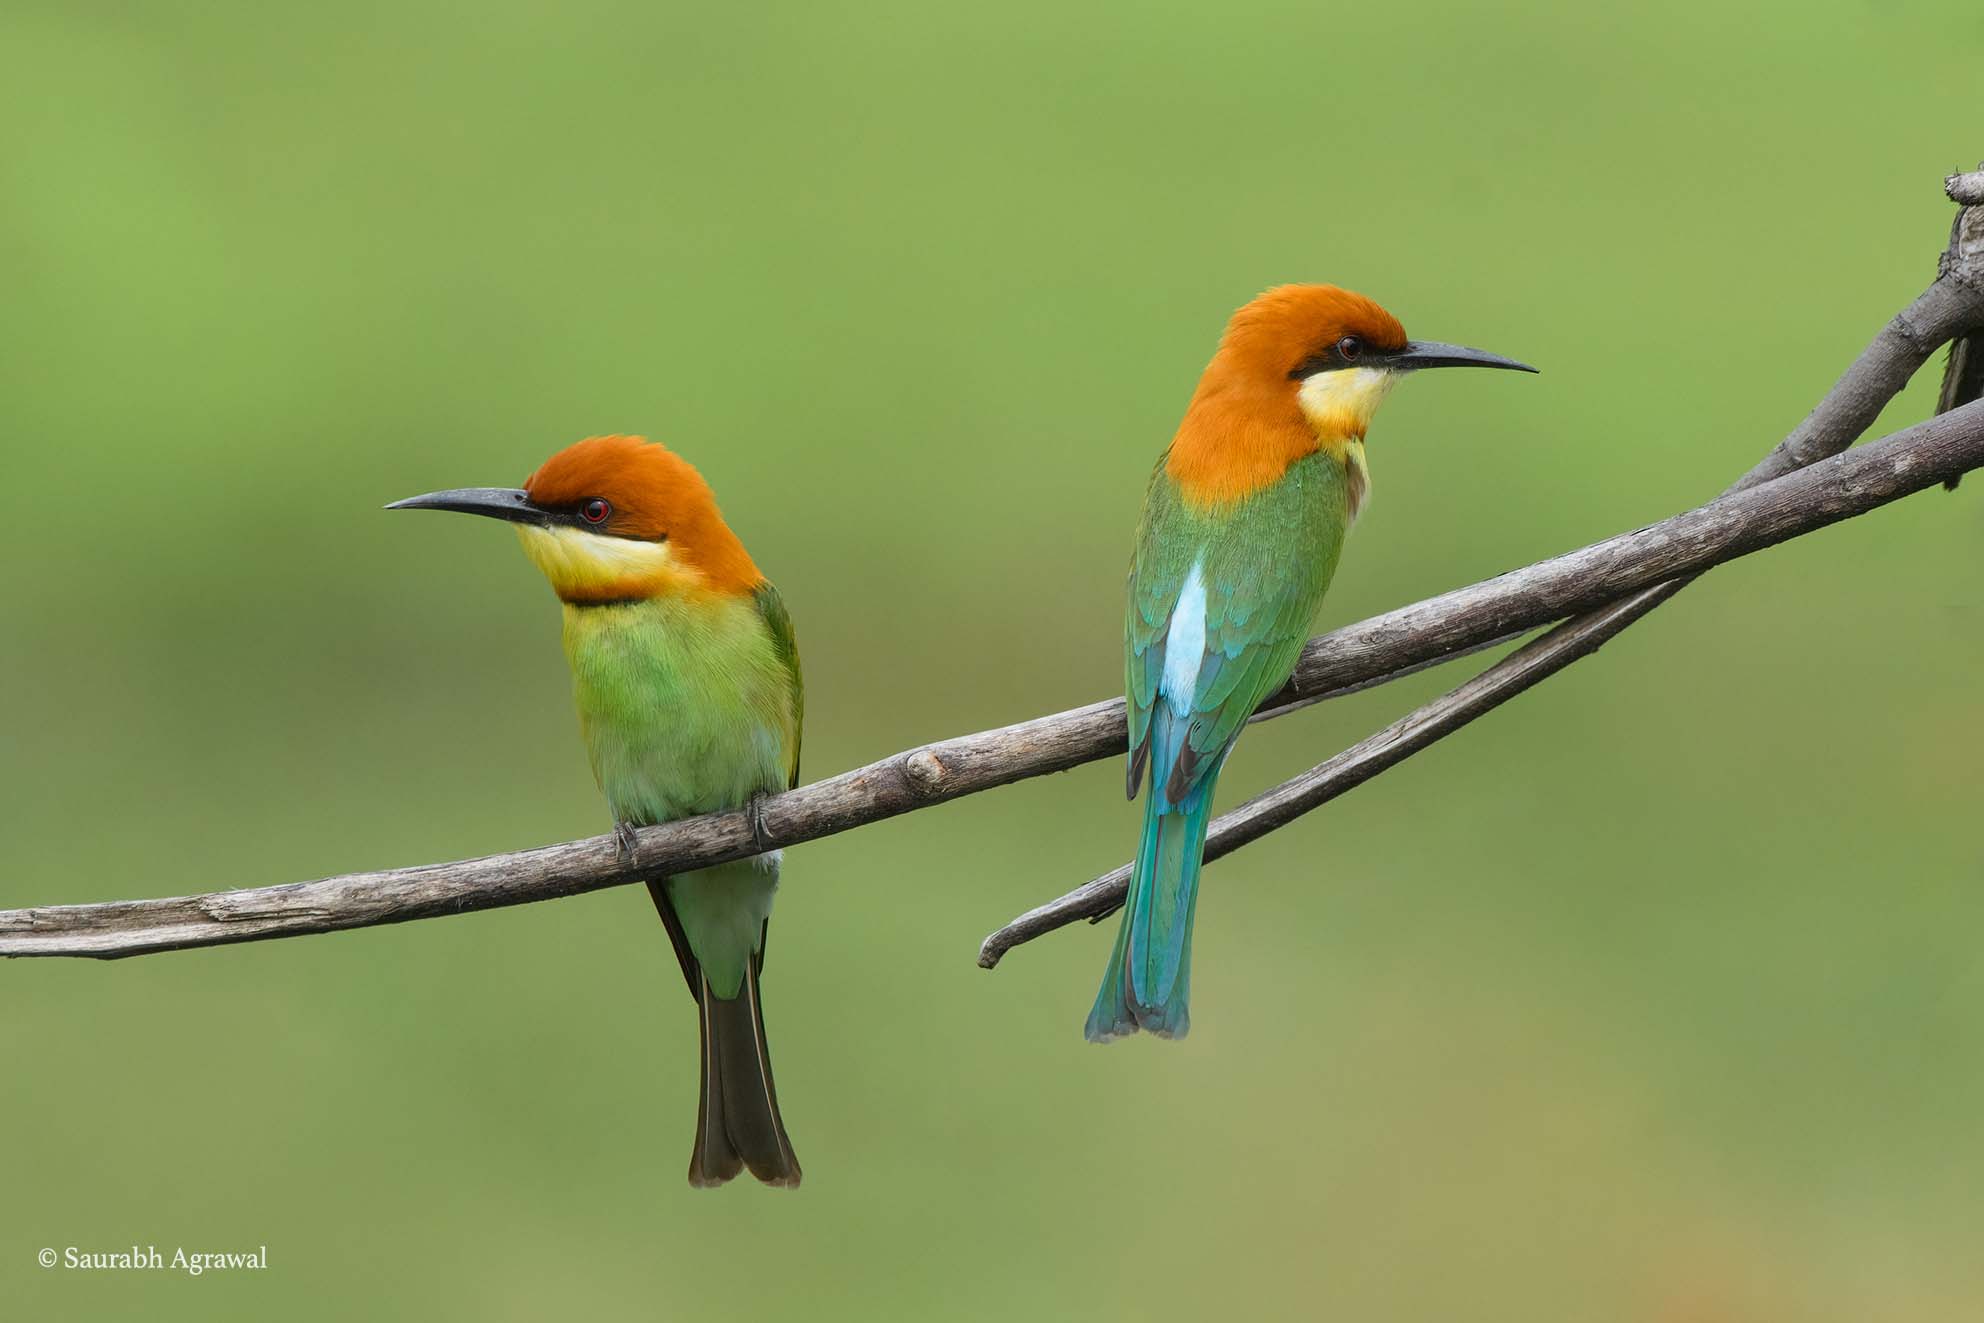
(658, 892)
(737, 1120)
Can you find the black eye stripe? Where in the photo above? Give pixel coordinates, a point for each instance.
(1348, 351)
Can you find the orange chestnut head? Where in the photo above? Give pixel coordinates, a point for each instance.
(1301, 368)
(614, 519)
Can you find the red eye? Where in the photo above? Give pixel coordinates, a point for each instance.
(1350, 347)
(595, 511)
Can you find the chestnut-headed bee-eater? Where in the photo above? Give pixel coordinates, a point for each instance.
(689, 696)
(1242, 524)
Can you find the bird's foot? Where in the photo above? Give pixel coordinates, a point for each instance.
(754, 813)
(625, 843)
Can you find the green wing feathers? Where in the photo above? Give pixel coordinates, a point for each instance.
(785, 646)
(1265, 564)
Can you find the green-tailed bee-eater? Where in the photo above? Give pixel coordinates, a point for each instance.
(1242, 524)
(689, 696)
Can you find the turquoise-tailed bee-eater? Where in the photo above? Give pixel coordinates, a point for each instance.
(1242, 524)
(689, 696)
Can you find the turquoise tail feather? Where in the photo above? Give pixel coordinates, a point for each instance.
(1149, 980)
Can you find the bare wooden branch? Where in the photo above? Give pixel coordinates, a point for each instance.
(1951, 310)
(1439, 627)
(1966, 189)
(1288, 801)
(1522, 669)
(1963, 371)
(1633, 572)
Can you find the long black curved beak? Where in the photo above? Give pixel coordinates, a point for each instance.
(507, 503)
(1434, 354)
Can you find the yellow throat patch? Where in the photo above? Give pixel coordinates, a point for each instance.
(1339, 406)
(591, 567)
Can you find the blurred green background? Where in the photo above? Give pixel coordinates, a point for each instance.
(1655, 996)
